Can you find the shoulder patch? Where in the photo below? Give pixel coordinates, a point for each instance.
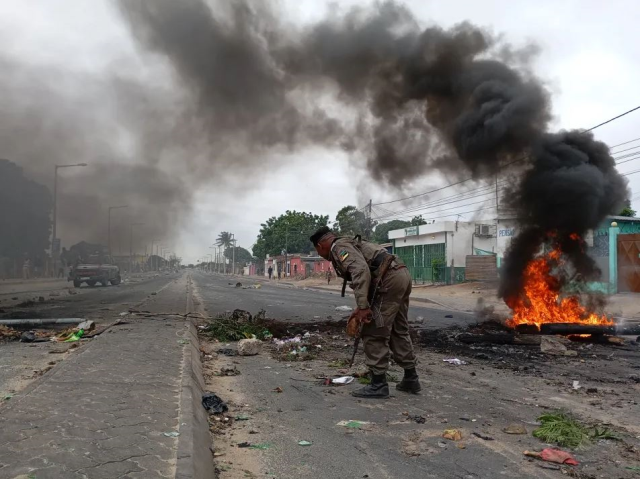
(343, 255)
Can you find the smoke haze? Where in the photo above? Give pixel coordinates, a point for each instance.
(402, 100)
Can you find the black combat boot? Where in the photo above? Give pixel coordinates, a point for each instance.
(409, 383)
(378, 389)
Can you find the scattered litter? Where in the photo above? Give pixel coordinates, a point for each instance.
(455, 361)
(448, 315)
(263, 446)
(267, 367)
(183, 341)
(442, 444)
(304, 443)
(154, 293)
(417, 419)
(343, 380)
(564, 430)
(282, 342)
(7, 397)
(452, 434)
(28, 337)
(228, 372)
(227, 352)
(124, 313)
(74, 336)
(171, 434)
(238, 285)
(87, 325)
(484, 437)
(244, 444)
(213, 404)
(557, 456)
(515, 428)
(352, 424)
(576, 385)
(344, 308)
(278, 390)
(249, 347)
(242, 417)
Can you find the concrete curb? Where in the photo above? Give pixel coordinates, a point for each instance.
(194, 459)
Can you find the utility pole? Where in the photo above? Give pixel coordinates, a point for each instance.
(233, 254)
(131, 245)
(55, 245)
(369, 220)
(497, 201)
(109, 225)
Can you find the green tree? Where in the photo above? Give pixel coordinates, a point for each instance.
(224, 239)
(289, 231)
(627, 210)
(243, 256)
(381, 233)
(350, 221)
(25, 207)
(417, 221)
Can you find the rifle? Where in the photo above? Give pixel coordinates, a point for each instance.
(384, 267)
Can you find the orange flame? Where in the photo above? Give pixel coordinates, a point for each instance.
(541, 303)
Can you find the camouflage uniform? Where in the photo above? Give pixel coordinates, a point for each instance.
(358, 262)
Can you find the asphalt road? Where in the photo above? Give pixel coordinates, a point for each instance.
(220, 294)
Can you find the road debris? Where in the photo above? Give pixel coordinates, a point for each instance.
(228, 372)
(248, 445)
(452, 434)
(345, 309)
(277, 390)
(304, 443)
(343, 380)
(353, 424)
(576, 385)
(242, 417)
(249, 347)
(515, 428)
(557, 456)
(417, 419)
(87, 325)
(454, 361)
(171, 434)
(213, 404)
(564, 430)
(553, 346)
(484, 437)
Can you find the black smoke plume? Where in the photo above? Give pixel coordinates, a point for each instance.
(408, 99)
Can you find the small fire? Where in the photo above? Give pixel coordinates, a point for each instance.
(541, 302)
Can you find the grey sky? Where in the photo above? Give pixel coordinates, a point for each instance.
(589, 59)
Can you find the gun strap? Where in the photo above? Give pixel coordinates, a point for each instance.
(344, 286)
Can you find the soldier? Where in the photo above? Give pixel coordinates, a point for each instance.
(386, 327)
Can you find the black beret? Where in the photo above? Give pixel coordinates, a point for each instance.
(317, 236)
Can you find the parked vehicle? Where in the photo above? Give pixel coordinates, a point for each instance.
(96, 269)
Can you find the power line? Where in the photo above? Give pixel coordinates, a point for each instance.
(504, 166)
(458, 213)
(630, 159)
(620, 144)
(631, 173)
(614, 118)
(632, 148)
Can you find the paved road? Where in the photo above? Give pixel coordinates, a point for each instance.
(285, 302)
(98, 303)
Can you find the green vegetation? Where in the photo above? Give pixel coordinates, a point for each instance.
(232, 328)
(564, 430)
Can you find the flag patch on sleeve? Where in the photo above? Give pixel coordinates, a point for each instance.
(343, 255)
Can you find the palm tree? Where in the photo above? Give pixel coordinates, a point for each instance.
(224, 239)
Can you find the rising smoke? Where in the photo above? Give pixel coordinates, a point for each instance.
(407, 99)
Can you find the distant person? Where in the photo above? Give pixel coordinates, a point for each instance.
(270, 271)
(279, 273)
(329, 276)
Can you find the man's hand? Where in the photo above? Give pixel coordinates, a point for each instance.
(358, 317)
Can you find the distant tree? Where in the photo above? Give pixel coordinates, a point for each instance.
(381, 233)
(290, 230)
(417, 221)
(351, 221)
(224, 239)
(243, 256)
(25, 207)
(627, 210)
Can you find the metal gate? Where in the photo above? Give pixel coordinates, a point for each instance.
(426, 263)
(629, 263)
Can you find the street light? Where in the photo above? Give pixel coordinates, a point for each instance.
(55, 250)
(109, 225)
(153, 260)
(131, 245)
